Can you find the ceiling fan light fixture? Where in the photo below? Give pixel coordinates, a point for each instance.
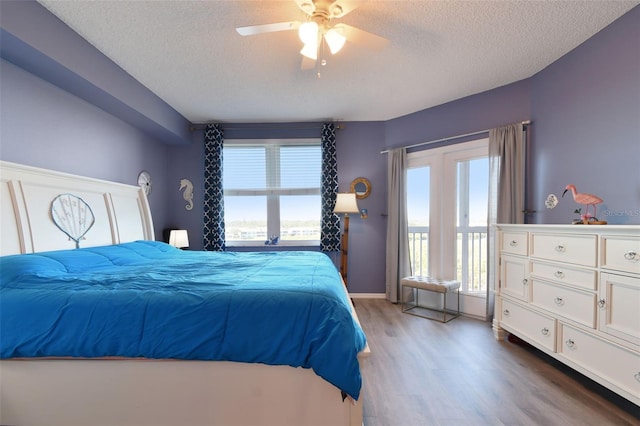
(335, 40)
(308, 32)
(310, 50)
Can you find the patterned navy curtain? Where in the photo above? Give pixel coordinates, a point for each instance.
(213, 232)
(330, 223)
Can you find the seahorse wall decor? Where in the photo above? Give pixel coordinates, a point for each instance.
(188, 192)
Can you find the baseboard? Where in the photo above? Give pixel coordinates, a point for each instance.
(368, 295)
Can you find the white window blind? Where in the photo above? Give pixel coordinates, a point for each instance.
(272, 188)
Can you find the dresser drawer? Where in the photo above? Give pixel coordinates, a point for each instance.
(577, 277)
(615, 364)
(514, 242)
(571, 248)
(529, 324)
(621, 253)
(574, 304)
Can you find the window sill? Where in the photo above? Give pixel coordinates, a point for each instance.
(258, 244)
(278, 247)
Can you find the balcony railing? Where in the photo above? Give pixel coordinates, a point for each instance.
(419, 249)
(471, 255)
(472, 267)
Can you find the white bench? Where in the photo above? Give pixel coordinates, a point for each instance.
(416, 283)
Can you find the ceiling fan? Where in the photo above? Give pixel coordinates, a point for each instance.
(318, 28)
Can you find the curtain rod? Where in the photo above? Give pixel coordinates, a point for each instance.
(264, 126)
(524, 123)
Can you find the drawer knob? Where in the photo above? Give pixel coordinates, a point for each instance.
(559, 301)
(545, 331)
(559, 274)
(513, 243)
(570, 344)
(637, 376)
(560, 248)
(506, 313)
(525, 281)
(601, 303)
(631, 256)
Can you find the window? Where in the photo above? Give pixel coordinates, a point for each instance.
(418, 218)
(447, 204)
(272, 188)
(471, 228)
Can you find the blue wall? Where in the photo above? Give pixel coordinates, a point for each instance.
(37, 41)
(42, 125)
(358, 151)
(586, 114)
(58, 112)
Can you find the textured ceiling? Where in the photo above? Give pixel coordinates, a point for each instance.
(189, 54)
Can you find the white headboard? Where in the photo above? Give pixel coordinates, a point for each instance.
(121, 211)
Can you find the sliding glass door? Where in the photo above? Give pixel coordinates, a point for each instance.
(447, 204)
(471, 228)
(418, 218)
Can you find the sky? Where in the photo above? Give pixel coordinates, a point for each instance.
(418, 184)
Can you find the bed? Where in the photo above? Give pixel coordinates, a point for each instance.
(127, 330)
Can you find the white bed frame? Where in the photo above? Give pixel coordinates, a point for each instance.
(138, 391)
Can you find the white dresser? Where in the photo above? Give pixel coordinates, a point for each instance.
(573, 291)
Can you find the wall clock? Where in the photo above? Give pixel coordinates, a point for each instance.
(144, 180)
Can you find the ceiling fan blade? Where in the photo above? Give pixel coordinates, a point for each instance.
(268, 28)
(307, 63)
(361, 37)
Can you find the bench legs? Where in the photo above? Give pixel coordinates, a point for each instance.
(422, 311)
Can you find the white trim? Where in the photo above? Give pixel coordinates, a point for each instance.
(368, 295)
(442, 164)
(415, 159)
(466, 151)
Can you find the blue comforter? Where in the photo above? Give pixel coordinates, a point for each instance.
(148, 299)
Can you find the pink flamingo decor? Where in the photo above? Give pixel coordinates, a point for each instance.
(586, 200)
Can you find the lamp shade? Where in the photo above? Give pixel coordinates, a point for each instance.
(335, 40)
(308, 32)
(179, 238)
(310, 50)
(346, 203)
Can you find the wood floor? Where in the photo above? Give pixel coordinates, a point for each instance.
(424, 372)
